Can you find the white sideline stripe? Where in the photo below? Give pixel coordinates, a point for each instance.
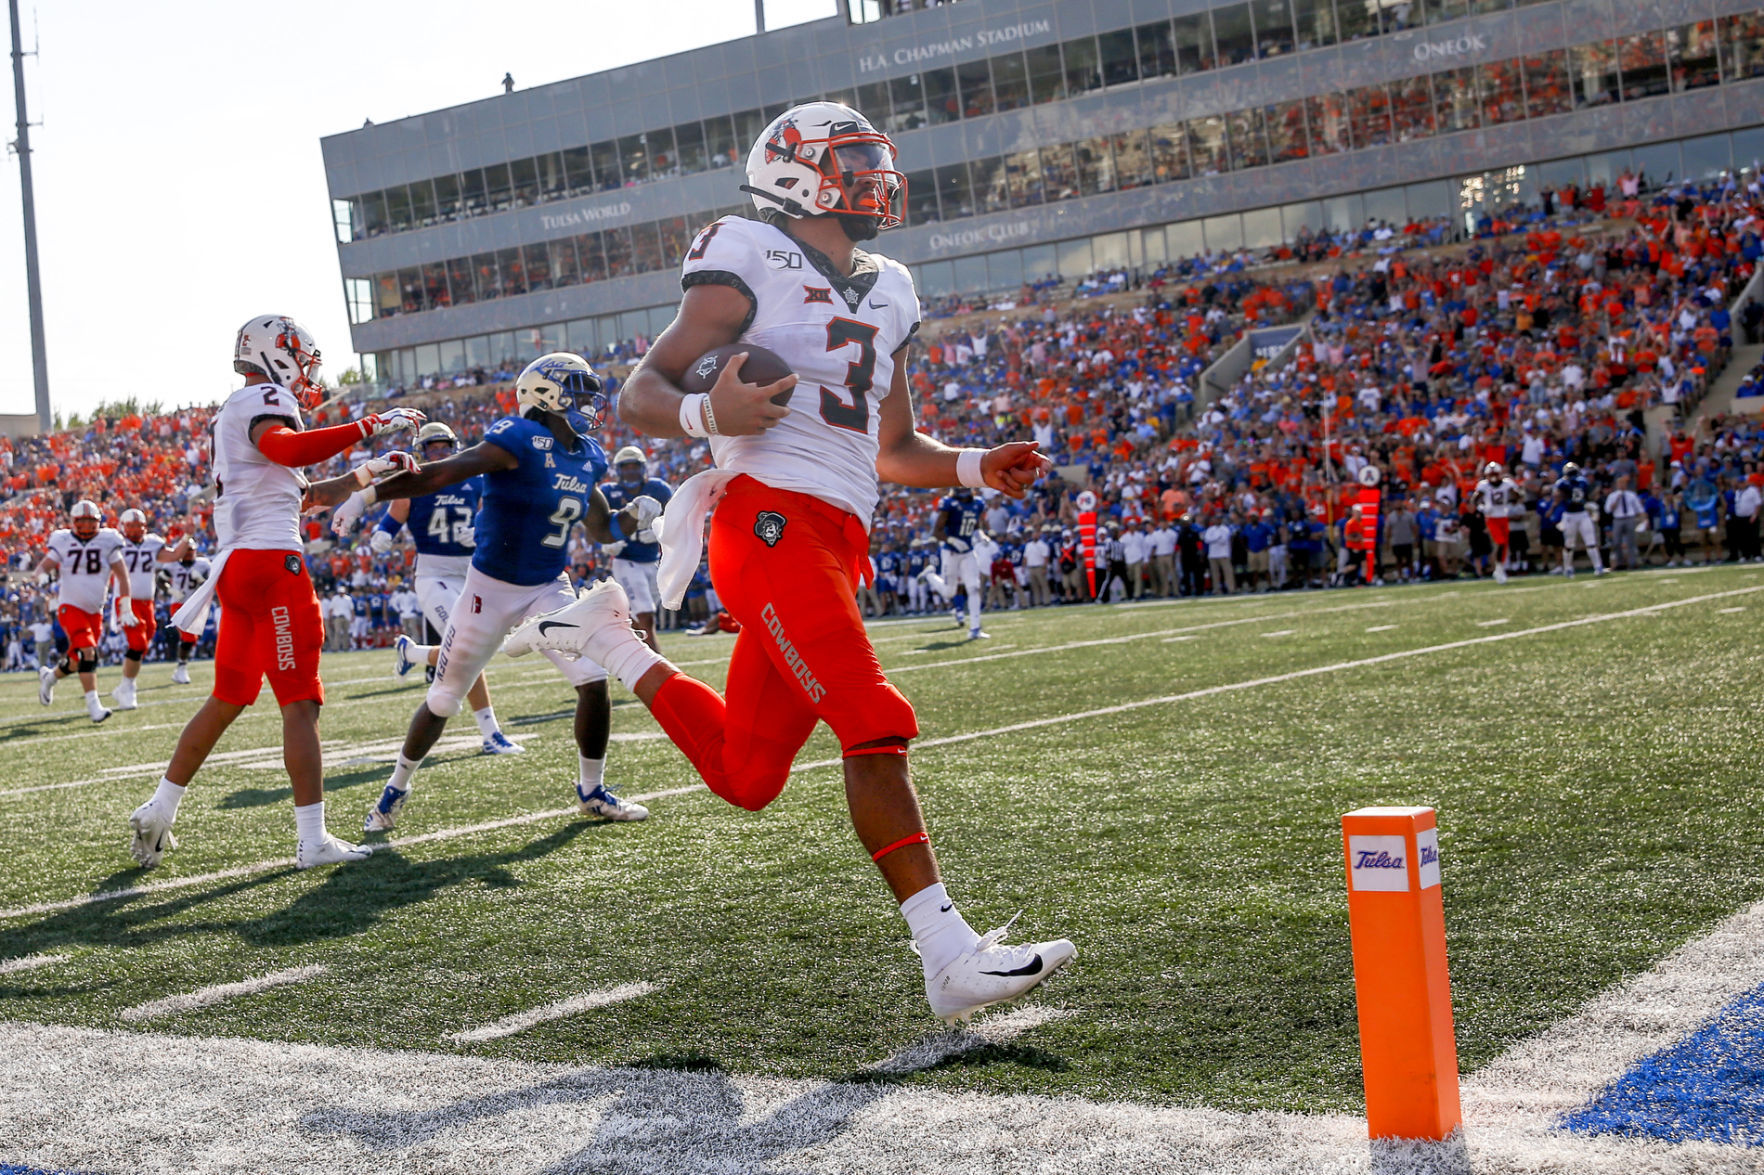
(207, 997)
(1726, 611)
(1498, 620)
(1381, 628)
(1278, 632)
(29, 963)
(938, 1048)
(1170, 640)
(521, 1021)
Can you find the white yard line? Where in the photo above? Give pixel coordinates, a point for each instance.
(1496, 622)
(1278, 632)
(29, 963)
(207, 997)
(1729, 611)
(1381, 628)
(938, 1048)
(575, 1005)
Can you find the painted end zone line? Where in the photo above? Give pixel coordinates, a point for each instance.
(206, 997)
(521, 1021)
(111, 895)
(29, 963)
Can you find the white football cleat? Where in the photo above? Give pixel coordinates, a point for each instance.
(602, 803)
(383, 816)
(497, 743)
(150, 834)
(992, 973)
(975, 634)
(1500, 575)
(96, 712)
(329, 851)
(595, 624)
(46, 685)
(181, 675)
(124, 695)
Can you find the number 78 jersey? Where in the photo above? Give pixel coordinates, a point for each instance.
(841, 335)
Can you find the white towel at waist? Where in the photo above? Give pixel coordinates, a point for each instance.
(189, 616)
(682, 531)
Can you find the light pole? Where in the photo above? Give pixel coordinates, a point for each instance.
(33, 282)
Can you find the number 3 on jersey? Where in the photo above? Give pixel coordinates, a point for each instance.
(859, 375)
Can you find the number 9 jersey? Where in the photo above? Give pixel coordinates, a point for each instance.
(524, 523)
(841, 335)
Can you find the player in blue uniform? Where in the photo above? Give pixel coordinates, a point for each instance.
(1575, 494)
(634, 561)
(958, 528)
(540, 475)
(441, 526)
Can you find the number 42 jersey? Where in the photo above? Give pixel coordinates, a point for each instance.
(524, 524)
(841, 335)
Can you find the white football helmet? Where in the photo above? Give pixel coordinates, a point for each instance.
(87, 518)
(435, 432)
(133, 524)
(1493, 469)
(631, 455)
(562, 383)
(276, 346)
(823, 157)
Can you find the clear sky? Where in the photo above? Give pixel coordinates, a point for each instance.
(178, 179)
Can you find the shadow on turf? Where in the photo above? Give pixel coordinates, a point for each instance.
(258, 797)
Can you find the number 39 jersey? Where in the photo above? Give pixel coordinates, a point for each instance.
(84, 567)
(524, 523)
(841, 336)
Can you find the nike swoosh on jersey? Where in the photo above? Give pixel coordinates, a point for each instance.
(1029, 968)
(547, 625)
(875, 305)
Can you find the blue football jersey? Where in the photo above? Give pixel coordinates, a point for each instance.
(618, 497)
(961, 522)
(1575, 491)
(441, 523)
(525, 518)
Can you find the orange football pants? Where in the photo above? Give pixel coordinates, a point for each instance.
(786, 566)
(270, 626)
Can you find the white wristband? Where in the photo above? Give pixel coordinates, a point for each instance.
(968, 468)
(369, 496)
(692, 414)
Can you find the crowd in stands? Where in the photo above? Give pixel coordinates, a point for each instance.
(1545, 335)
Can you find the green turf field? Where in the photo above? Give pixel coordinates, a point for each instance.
(1596, 786)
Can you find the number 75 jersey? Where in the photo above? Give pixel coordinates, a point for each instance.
(841, 335)
(524, 522)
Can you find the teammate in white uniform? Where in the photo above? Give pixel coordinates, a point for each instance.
(143, 554)
(798, 485)
(188, 574)
(1500, 500)
(270, 624)
(88, 556)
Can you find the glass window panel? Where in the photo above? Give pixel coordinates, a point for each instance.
(1060, 170)
(1503, 94)
(590, 258)
(1040, 262)
(1443, 10)
(1010, 82)
(1391, 205)
(1249, 140)
(1169, 152)
(428, 360)
(1326, 117)
(398, 209)
(1133, 159)
(943, 99)
(1411, 109)
(1074, 258)
(615, 244)
(1261, 228)
(1152, 250)
(422, 204)
(435, 285)
(1004, 271)
(1046, 81)
(1547, 90)
(970, 274)
(1343, 213)
(447, 204)
(1643, 58)
(1455, 103)
(1593, 69)
(1084, 64)
(554, 181)
(1657, 162)
(922, 197)
(1605, 167)
(937, 278)
(498, 188)
(1396, 15)
(634, 158)
(486, 276)
(477, 349)
(1120, 63)
(387, 300)
(1314, 23)
(1224, 233)
(536, 266)
(1024, 179)
(676, 237)
(872, 103)
(1748, 148)
(689, 145)
(1109, 251)
(749, 124)
(1435, 200)
(1286, 131)
(908, 97)
(1096, 165)
(503, 347)
(1274, 30)
(1742, 35)
(606, 165)
(991, 188)
(1231, 28)
(578, 171)
(1707, 156)
(1356, 18)
(564, 270)
(512, 270)
(1157, 50)
(1306, 217)
(1369, 114)
(359, 294)
(1185, 240)
(645, 248)
(1206, 146)
(524, 175)
(974, 79)
(1195, 49)
(664, 160)
(452, 357)
(1695, 57)
(410, 290)
(373, 214)
(720, 149)
(472, 198)
(954, 192)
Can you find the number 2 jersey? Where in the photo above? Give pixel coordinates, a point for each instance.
(841, 335)
(442, 527)
(256, 501)
(527, 513)
(84, 566)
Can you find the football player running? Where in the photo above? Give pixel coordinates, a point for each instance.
(142, 553)
(1500, 500)
(957, 529)
(794, 491)
(540, 471)
(88, 556)
(1575, 494)
(634, 561)
(441, 526)
(187, 574)
(269, 624)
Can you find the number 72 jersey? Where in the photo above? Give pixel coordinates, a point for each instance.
(524, 523)
(840, 334)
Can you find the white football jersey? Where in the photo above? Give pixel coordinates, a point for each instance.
(85, 566)
(256, 501)
(142, 560)
(1498, 501)
(185, 578)
(840, 335)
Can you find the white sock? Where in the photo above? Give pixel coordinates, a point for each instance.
(486, 721)
(92, 702)
(590, 773)
(309, 822)
(938, 927)
(631, 660)
(169, 795)
(420, 653)
(403, 772)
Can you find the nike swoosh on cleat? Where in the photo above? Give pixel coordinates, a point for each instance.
(546, 625)
(946, 909)
(1029, 968)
